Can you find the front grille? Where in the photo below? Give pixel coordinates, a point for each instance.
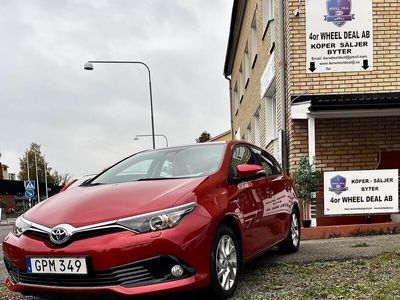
(76, 236)
(149, 271)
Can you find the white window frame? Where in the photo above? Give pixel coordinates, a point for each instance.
(254, 42)
(270, 119)
(237, 134)
(236, 98)
(241, 80)
(246, 64)
(248, 133)
(268, 12)
(257, 135)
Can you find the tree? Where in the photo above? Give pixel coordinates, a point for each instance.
(52, 176)
(306, 181)
(204, 137)
(60, 179)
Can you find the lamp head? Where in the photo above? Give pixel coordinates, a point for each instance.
(88, 66)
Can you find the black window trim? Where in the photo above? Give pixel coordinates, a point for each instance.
(231, 180)
(269, 157)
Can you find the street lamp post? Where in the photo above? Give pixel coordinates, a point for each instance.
(89, 66)
(136, 138)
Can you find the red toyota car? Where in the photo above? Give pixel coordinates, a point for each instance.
(159, 221)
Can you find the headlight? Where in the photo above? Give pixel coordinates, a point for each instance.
(20, 226)
(158, 220)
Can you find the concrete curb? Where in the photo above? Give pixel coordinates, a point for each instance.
(324, 232)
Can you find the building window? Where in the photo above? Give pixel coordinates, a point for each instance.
(241, 81)
(253, 40)
(246, 65)
(248, 134)
(236, 99)
(268, 12)
(237, 134)
(270, 119)
(257, 138)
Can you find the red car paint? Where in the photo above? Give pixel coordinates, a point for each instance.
(259, 208)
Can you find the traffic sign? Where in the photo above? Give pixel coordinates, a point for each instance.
(29, 193)
(29, 184)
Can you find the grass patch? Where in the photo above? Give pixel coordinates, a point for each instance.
(370, 232)
(377, 278)
(360, 245)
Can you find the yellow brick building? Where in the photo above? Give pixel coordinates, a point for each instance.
(222, 137)
(341, 120)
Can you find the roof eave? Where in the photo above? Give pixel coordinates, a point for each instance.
(234, 33)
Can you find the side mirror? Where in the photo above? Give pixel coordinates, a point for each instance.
(249, 170)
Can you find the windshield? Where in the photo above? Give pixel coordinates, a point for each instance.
(184, 162)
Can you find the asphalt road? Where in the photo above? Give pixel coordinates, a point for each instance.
(310, 251)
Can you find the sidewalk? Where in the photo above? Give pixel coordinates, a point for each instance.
(9, 221)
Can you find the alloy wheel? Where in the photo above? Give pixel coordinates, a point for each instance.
(295, 230)
(226, 262)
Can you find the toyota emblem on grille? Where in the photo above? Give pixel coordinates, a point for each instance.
(60, 234)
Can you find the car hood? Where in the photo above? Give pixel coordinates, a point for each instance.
(94, 204)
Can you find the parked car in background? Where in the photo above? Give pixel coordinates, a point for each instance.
(158, 221)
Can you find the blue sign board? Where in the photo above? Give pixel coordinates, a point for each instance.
(29, 184)
(29, 193)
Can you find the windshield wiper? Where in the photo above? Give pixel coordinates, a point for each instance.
(155, 178)
(91, 184)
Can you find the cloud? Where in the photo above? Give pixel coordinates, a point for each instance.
(86, 120)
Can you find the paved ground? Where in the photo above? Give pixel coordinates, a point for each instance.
(310, 251)
(333, 249)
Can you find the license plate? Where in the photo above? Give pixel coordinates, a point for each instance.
(56, 265)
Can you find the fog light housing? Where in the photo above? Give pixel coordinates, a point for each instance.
(13, 272)
(177, 271)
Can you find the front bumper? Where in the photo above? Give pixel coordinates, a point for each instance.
(123, 262)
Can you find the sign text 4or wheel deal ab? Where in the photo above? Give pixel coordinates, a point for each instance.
(339, 36)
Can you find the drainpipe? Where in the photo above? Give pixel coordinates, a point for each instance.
(230, 105)
(282, 71)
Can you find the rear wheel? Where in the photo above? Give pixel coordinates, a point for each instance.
(292, 241)
(225, 262)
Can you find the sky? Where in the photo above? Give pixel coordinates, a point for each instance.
(86, 120)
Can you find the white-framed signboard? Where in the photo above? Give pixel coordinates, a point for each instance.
(339, 36)
(361, 192)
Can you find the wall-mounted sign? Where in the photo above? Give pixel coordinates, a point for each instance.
(361, 192)
(339, 35)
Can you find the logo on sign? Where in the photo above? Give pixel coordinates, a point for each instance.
(339, 12)
(338, 185)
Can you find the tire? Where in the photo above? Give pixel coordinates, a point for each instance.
(292, 242)
(225, 265)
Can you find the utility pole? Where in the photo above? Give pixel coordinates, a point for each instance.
(37, 179)
(29, 178)
(27, 164)
(45, 180)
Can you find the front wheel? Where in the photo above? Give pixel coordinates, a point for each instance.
(225, 262)
(292, 242)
